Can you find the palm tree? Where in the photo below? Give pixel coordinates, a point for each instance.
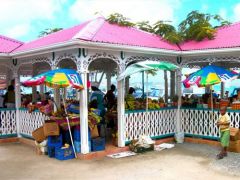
(145, 26)
(49, 31)
(119, 19)
(198, 26)
(167, 31)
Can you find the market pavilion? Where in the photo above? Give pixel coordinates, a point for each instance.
(99, 45)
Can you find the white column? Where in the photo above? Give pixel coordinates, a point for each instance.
(17, 101)
(108, 77)
(84, 115)
(222, 90)
(121, 112)
(172, 84)
(166, 87)
(179, 134)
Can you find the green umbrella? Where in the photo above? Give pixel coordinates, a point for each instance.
(146, 66)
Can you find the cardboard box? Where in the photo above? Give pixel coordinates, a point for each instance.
(51, 129)
(38, 134)
(234, 134)
(234, 146)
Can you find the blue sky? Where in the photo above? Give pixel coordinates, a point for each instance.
(24, 20)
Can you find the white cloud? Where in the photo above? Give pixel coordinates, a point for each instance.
(236, 11)
(19, 30)
(16, 16)
(27, 10)
(137, 10)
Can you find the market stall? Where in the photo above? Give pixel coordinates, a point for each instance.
(61, 121)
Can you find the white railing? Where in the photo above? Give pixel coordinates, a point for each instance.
(30, 121)
(8, 125)
(202, 122)
(157, 123)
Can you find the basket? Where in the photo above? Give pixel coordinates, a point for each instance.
(64, 154)
(77, 145)
(98, 144)
(51, 129)
(38, 134)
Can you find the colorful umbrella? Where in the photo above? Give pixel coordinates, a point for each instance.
(209, 75)
(145, 66)
(58, 78)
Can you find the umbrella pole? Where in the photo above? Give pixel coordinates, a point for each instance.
(69, 128)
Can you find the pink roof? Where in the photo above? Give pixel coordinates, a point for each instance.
(7, 45)
(226, 37)
(99, 30)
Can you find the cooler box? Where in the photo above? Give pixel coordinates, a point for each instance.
(64, 154)
(55, 141)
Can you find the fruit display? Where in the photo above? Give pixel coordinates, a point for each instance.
(140, 104)
(93, 119)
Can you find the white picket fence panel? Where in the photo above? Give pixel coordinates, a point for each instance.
(202, 122)
(30, 121)
(8, 122)
(151, 123)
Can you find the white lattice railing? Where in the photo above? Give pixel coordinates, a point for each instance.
(30, 121)
(202, 122)
(8, 125)
(157, 123)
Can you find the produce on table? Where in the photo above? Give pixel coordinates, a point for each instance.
(140, 104)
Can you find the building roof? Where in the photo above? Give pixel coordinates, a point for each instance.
(7, 44)
(101, 31)
(226, 37)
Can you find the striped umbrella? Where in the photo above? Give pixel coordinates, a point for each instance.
(58, 78)
(208, 76)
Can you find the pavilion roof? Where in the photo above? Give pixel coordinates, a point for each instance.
(101, 31)
(226, 37)
(7, 44)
